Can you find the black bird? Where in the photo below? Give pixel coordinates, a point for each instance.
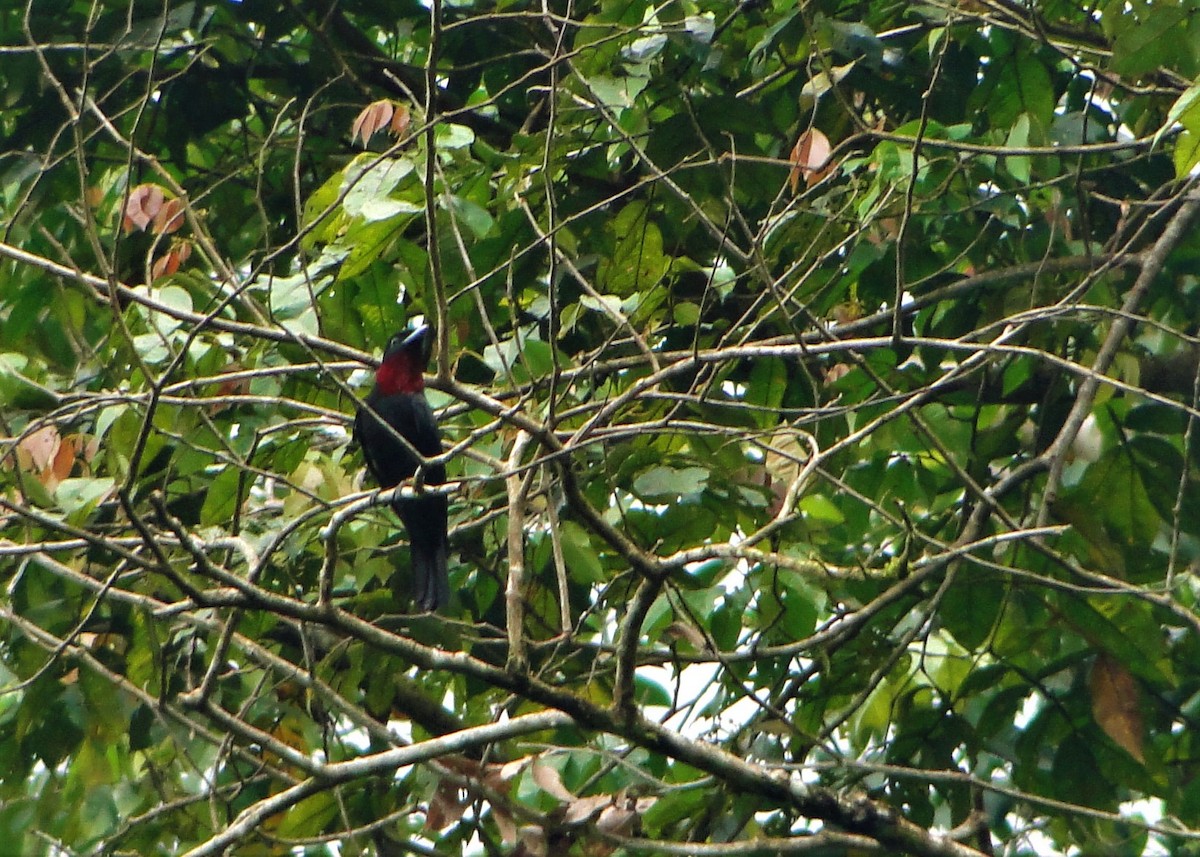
(397, 405)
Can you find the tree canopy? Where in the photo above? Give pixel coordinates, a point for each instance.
(819, 386)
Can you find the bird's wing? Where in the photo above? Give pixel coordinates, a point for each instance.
(361, 433)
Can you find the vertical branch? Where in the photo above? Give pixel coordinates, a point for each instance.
(549, 484)
(514, 593)
(551, 234)
(437, 282)
(910, 191)
(1122, 326)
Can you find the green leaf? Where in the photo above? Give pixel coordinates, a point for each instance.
(674, 806)
(1185, 111)
(765, 389)
(802, 604)
(685, 314)
(309, 817)
(637, 262)
(538, 356)
(649, 692)
(1150, 42)
(474, 216)
(1186, 153)
(583, 563)
(451, 136)
(1129, 634)
(368, 186)
(663, 483)
(14, 383)
(1022, 85)
(292, 296)
(82, 495)
(221, 498)
(820, 510)
(971, 607)
(1018, 166)
(322, 216)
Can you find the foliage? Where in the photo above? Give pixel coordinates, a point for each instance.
(819, 386)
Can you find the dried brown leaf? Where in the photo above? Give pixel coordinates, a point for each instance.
(584, 808)
(810, 158)
(169, 217)
(170, 261)
(37, 450)
(533, 840)
(400, 121)
(1116, 704)
(62, 464)
(848, 311)
(510, 769)
(683, 631)
(142, 206)
(550, 782)
(835, 373)
(374, 116)
(505, 824)
(445, 808)
(617, 820)
(785, 456)
(776, 726)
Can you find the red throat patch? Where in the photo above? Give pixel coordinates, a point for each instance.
(400, 373)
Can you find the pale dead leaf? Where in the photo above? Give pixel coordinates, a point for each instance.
(169, 263)
(169, 217)
(400, 121)
(142, 207)
(505, 824)
(62, 464)
(37, 449)
(884, 230)
(533, 839)
(775, 726)
(96, 642)
(846, 312)
(374, 116)
(550, 782)
(510, 769)
(785, 455)
(492, 776)
(1116, 704)
(584, 808)
(683, 631)
(617, 821)
(445, 808)
(810, 158)
(821, 83)
(835, 373)
(596, 847)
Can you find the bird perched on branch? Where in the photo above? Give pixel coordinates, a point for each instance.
(396, 429)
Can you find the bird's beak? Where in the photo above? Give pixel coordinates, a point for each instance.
(421, 339)
(417, 336)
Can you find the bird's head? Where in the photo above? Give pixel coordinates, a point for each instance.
(404, 361)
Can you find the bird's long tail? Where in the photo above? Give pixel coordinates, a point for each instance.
(425, 520)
